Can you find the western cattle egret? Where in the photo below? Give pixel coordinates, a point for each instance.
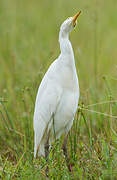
(58, 94)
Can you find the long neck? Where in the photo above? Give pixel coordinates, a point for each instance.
(65, 45)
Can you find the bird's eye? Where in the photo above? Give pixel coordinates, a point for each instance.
(74, 24)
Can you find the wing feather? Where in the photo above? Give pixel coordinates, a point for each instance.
(47, 100)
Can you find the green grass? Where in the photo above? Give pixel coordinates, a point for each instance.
(28, 45)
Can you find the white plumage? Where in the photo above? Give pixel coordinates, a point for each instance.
(58, 94)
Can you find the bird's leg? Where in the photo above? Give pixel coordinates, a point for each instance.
(64, 147)
(54, 127)
(47, 154)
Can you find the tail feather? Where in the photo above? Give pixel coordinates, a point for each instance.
(39, 150)
(39, 140)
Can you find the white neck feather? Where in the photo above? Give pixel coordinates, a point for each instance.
(66, 48)
(65, 44)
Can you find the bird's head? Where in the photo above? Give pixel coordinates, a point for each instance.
(69, 24)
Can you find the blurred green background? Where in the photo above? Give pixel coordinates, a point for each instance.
(28, 45)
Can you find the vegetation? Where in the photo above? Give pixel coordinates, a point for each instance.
(28, 45)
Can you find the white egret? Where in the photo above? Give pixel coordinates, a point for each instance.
(58, 95)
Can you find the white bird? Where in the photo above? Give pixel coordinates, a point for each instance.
(58, 95)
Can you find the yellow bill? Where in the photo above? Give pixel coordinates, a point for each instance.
(75, 18)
